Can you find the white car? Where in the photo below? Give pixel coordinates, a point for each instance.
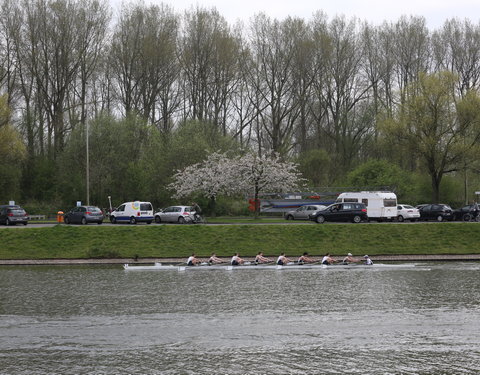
(304, 212)
(175, 214)
(407, 212)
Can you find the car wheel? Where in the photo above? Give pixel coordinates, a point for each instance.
(289, 217)
(357, 219)
(181, 220)
(113, 220)
(24, 223)
(84, 221)
(133, 220)
(7, 222)
(99, 222)
(439, 218)
(149, 222)
(467, 217)
(158, 220)
(477, 219)
(320, 219)
(66, 220)
(400, 218)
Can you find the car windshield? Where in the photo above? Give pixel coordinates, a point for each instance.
(17, 211)
(407, 207)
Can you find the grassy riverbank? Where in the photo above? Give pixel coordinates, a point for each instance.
(180, 241)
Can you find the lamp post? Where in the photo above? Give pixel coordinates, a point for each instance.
(88, 168)
(110, 202)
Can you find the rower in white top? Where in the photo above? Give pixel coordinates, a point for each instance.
(236, 260)
(192, 260)
(368, 261)
(282, 260)
(327, 260)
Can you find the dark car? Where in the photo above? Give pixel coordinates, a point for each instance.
(438, 212)
(84, 215)
(354, 212)
(467, 213)
(13, 214)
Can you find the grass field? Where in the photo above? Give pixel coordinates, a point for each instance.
(141, 241)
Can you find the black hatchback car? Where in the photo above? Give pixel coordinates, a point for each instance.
(11, 215)
(467, 213)
(438, 212)
(84, 215)
(354, 212)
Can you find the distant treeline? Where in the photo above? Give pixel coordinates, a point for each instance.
(160, 90)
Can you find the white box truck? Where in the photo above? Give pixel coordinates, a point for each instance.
(381, 205)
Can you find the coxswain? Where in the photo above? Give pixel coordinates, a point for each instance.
(261, 259)
(305, 258)
(368, 261)
(327, 259)
(348, 259)
(214, 259)
(282, 260)
(236, 260)
(192, 260)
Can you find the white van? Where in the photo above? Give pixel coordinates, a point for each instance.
(381, 205)
(133, 212)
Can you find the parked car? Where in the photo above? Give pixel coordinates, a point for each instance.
(467, 213)
(175, 214)
(304, 212)
(84, 215)
(438, 212)
(354, 212)
(407, 212)
(12, 215)
(133, 213)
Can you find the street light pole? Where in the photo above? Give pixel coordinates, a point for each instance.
(88, 168)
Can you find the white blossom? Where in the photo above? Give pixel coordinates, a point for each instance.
(249, 174)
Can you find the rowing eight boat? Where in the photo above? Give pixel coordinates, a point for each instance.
(161, 267)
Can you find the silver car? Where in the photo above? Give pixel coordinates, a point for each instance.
(175, 214)
(303, 212)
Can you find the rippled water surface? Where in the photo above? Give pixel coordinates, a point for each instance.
(104, 320)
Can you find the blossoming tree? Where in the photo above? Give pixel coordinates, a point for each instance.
(248, 174)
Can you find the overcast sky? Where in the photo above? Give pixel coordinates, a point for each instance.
(375, 11)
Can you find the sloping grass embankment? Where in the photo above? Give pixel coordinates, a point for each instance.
(70, 242)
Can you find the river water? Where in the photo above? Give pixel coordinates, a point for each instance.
(104, 320)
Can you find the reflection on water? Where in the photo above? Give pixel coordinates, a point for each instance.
(103, 320)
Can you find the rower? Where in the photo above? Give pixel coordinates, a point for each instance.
(214, 259)
(327, 259)
(192, 260)
(348, 259)
(282, 260)
(368, 261)
(261, 259)
(305, 258)
(236, 260)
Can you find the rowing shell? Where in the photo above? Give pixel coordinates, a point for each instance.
(161, 267)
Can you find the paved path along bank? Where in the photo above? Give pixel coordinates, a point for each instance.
(383, 258)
